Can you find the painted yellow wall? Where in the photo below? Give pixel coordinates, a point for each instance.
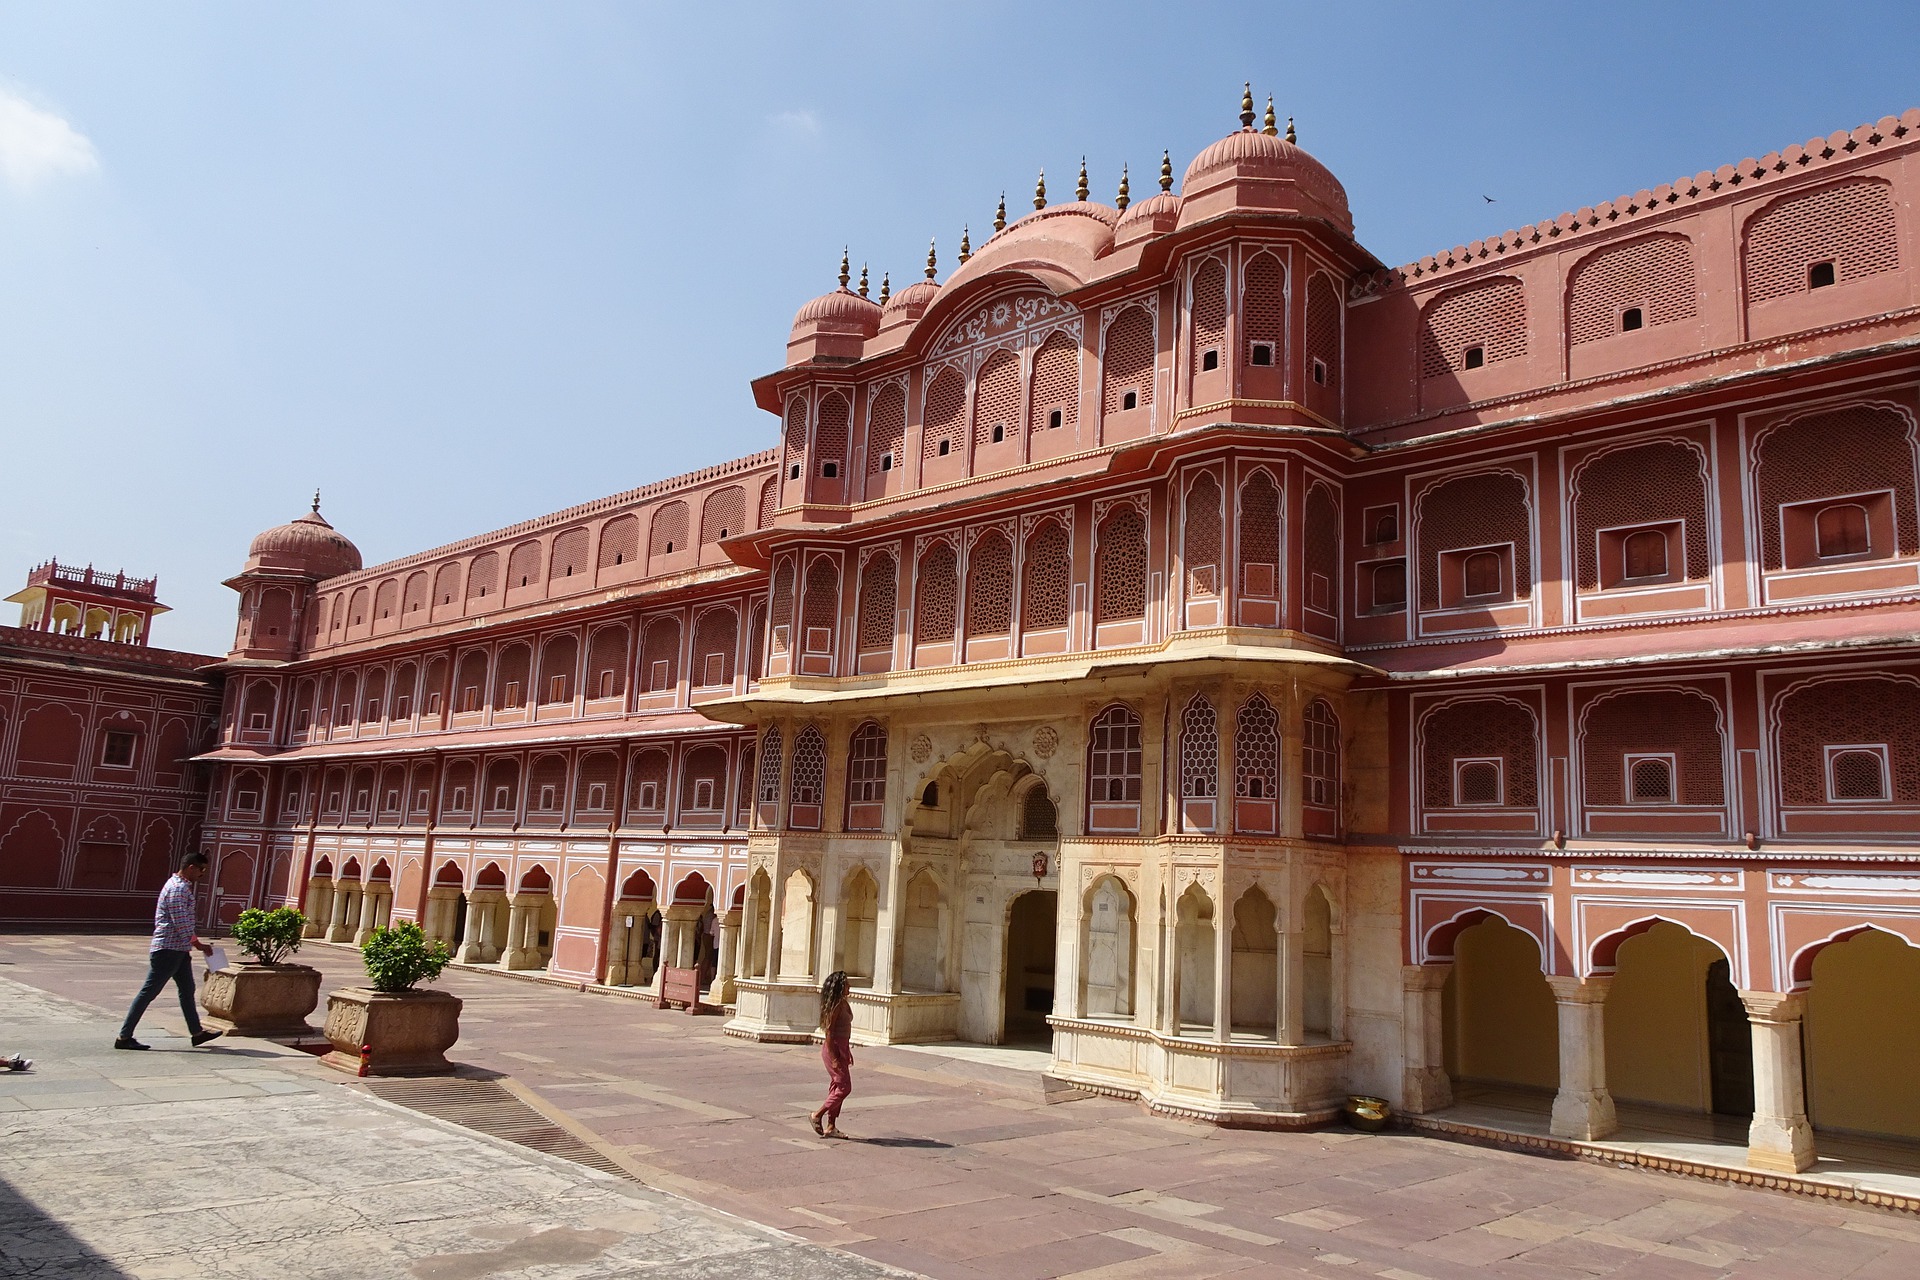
(1501, 1021)
(1863, 1036)
(1657, 1020)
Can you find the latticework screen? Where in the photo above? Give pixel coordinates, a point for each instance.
(936, 595)
(1656, 721)
(1858, 449)
(1480, 728)
(1653, 273)
(1649, 483)
(1128, 363)
(1850, 224)
(1121, 572)
(1866, 711)
(879, 599)
(1199, 750)
(990, 586)
(1472, 511)
(1491, 316)
(1256, 750)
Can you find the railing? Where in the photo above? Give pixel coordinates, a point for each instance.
(54, 571)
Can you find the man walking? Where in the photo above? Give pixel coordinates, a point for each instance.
(171, 956)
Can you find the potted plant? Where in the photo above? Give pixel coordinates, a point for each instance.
(264, 995)
(390, 1028)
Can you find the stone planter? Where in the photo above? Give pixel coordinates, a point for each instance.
(410, 1031)
(262, 999)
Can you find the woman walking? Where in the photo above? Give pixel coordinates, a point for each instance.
(836, 1050)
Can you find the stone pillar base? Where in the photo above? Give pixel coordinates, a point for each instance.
(1583, 1117)
(1426, 1089)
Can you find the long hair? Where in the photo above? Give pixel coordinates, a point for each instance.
(832, 992)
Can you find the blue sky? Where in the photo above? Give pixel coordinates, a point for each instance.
(459, 264)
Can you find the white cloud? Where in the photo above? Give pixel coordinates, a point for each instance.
(798, 124)
(37, 145)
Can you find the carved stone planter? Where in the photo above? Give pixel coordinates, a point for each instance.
(410, 1031)
(262, 999)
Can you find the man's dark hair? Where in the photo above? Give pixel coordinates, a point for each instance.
(193, 860)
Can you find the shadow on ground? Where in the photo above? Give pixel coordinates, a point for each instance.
(33, 1244)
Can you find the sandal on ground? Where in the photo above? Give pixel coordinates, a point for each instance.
(17, 1063)
(817, 1130)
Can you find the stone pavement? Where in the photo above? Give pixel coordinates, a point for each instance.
(247, 1160)
(957, 1178)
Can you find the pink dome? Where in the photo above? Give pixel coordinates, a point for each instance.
(1147, 218)
(841, 311)
(306, 545)
(1289, 179)
(910, 303)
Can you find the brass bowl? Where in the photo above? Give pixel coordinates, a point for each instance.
(1369, 1115)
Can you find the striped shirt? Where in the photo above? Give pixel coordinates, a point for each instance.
(173, 917)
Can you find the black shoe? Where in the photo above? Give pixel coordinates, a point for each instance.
(127, 1042)
(201, 1037)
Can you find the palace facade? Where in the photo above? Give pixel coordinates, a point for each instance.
(1265, 674)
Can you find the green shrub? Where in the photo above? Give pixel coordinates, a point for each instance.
(399, 956)
(269, 936)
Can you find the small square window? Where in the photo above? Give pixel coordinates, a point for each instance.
(258, 720)
(247, 801)
(1054, 419)
(502, 798)
(1131, 400)
(1383, 525)
(597, 796)
(1262, 353)
(999, 433)
(512, 699)
(1320, 372)
(1820, 275)
(116, 750)
(1209, 361)
(1474, 358)
(886, 462)
(649, 795)
(1857, 773)
(946, 447)
(830, 469)
(460, 798)
(1631, 319)
(1478, 782)
(1650, 779)
(433, 704)
(549, 798)
(793, 473)
(393, 801)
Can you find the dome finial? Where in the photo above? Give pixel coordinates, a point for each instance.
(886, 288)
(1040, 191)
(1080, 189)
(966, 245)
(932, 268)
(844, 277)
(1000, 215)
(1166, 172)
(1246, 106)
(316, 500)
(863, 279)
(1291, 135)
(1267, 126)
(1122, 200)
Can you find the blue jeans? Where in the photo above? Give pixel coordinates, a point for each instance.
(162, 967)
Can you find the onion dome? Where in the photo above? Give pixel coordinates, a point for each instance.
(834, 325)
(1258, 169)
(909, 304)
(306, 545)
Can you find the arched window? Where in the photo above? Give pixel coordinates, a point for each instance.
(1483, 576)
(523, 566)
(569, 555)
(619, 542)
(1199, 764)
(783, 606)
(806, 789)
(1201, 548)
(1857, 774)
(1055, 403)
(660, 656)
(1841, 530)
(1113, 771)
(1127, 365)
(996, 401)
(1320, 762)
(716, 634)
(1646, 554)
(703, 784)
(1039, 820)
(886, 438)
(946, 406)
(1259, 546)
(649, 794)
(1256, 766)
(866, 778)
(557, 662)
(1120, 572)
(1477, 782)
(1208, 309)
(879, 598)
(723, 514)
(772, 749)
(607, 663)
(1046, 579)
(1264, 311)
(936, 595)
(990, 586)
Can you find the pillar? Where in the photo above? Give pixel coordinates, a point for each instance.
(1780, 1138)
(887, 927)
(1424, 1084)
(722, 991)
(338, 929)
(1583, 1109)
(319, 907)
(1223, 967)
(442, 902)
(368, 915)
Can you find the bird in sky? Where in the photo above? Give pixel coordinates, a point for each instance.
(1489, 199)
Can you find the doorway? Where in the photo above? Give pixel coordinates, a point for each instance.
(1729, 1045)
(1028, 990)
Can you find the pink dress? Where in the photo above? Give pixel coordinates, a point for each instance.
(836, 1051)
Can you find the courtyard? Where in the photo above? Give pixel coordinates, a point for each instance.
(251, 1159)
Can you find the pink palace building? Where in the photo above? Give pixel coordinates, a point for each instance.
(1265, 673)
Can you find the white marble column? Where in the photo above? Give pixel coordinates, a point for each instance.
(1583, 1109)
(1424, 1086)
(470, 943)
(339, 929)
(369, 915)
(319, 907)
(1223, 969)
(722, 990)
(1780, 1138)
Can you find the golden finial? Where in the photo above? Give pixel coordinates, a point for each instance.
(886, 288)
(1040, 191)
(316, 500)
(1166, 172)
(863, 279)
(1268, 128)
(844, 277)
(1080, 189)
(931, 260)
(966, 245)
(1122, 200)
(1291, 135)
(1000, 215)
(1246, 106)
